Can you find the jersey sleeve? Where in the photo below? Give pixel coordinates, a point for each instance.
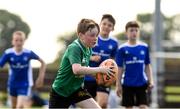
(147, 58)
(119, 57)
(115, 48)
(34, 55)
(74, 54)
(3, 59)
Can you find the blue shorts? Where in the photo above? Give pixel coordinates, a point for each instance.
(25, 91)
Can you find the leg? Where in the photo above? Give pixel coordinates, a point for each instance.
(129, 107)
(102, 99)
(88, 103)
(22, 101)
(143, 106)
(102, 96)
(13, 100)
(23, 96)
(12, 96)
(83, 99)
(128, 97)
(141, 97)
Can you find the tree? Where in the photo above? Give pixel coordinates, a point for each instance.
(9, 23)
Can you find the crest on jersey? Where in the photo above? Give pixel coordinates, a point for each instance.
(142, 52)
(25, 58)
(12, 59)
(126, 52)
(110, 47)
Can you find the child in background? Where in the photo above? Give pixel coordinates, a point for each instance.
(105, 48)
(135, 72)
(20, 78)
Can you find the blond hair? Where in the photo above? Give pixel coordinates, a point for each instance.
(20, 33)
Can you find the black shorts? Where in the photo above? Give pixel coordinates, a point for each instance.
(134, 96)
(91, 87)
(101, 88)
(58, 101)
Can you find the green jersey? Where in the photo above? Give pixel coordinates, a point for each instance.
(66, 82)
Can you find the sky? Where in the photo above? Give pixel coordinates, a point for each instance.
(49, 19)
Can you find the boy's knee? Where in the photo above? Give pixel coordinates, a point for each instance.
(103, 104)
(143, 106)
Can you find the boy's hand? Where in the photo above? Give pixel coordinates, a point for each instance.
(96, 58)
(107, 71)
(39, 82)
(150, 85)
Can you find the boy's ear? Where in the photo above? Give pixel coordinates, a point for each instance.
(80, 35)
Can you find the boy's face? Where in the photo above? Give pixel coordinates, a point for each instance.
(90, 37)
(106, 27)
(18, 41)
(132, 33)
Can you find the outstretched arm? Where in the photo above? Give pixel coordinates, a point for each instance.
(82, 70)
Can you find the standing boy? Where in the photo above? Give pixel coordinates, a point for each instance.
(105, 48)
(135, 72)
(20, 78)
(68, 86)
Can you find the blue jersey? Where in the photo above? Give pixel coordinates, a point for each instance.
(20, 71)
(133, 58)
(106, 48)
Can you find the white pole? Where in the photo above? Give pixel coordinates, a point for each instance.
(156, 39)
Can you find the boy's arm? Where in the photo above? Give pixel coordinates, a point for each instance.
(82, 70)
(119, 76)
(148, 70)
(40, 79)
(118, 81)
